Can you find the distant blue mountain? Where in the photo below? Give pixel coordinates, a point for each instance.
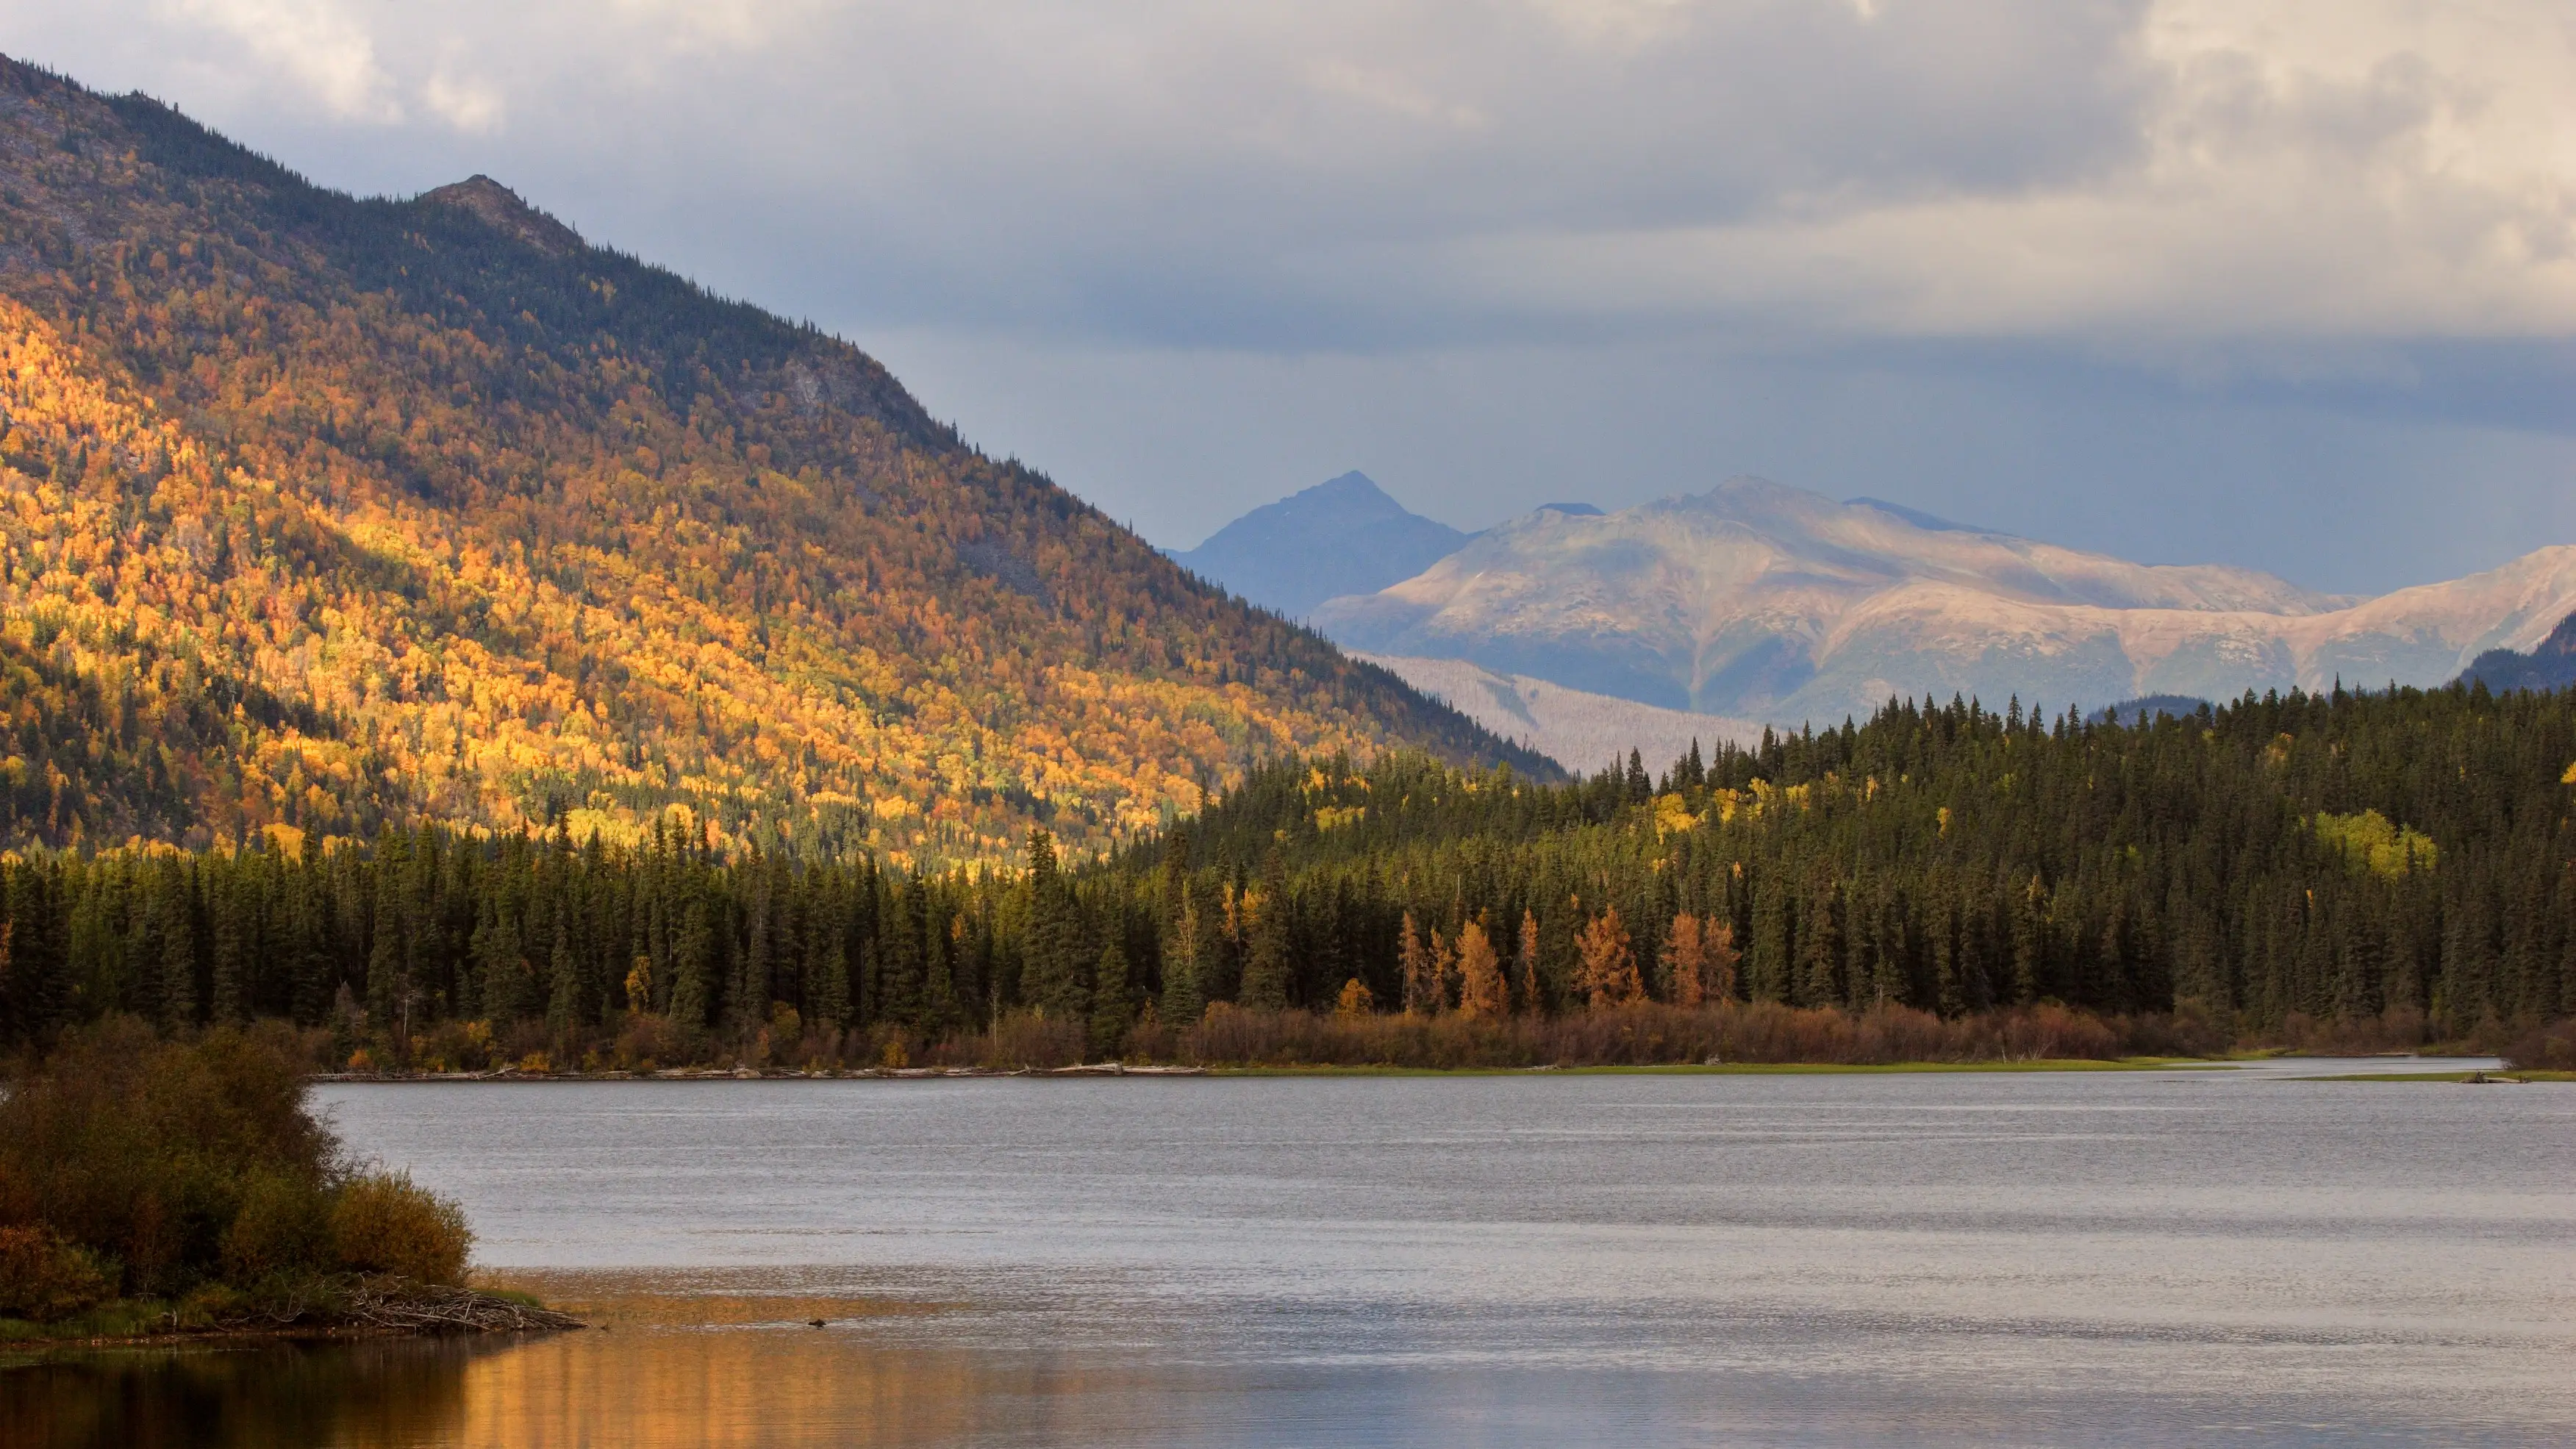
(1336, 538)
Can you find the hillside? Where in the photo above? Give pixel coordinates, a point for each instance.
(1772, 603)
(1577, 730)
(1345, 536)
(320, 514)
(2547, 665)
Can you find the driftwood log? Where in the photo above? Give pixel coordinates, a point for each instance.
(370, 1305)
(401, 1306)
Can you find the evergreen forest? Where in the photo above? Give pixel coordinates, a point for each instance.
(2398, 866)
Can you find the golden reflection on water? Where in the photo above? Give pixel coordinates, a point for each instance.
(697, 1361)
(700, 1359)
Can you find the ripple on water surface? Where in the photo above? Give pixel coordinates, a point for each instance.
(2132, 1258)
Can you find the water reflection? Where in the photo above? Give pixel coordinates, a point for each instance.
(2178, 1258)
(277, 1396)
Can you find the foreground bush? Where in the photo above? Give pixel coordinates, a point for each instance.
(136, 1167)
(42, 1277)
(387, 1224)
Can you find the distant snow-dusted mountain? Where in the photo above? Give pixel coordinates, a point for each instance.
(1583, 732)
(1766, 602)
(1342, 537)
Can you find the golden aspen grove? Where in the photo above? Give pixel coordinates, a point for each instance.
(320, 515)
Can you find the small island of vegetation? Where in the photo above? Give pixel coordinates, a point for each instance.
(159, 1188)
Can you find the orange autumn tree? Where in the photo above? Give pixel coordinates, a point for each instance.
(1701, 959)
(1531, 1001)
(1356, 999)
(1606, 972)
(1480, 974)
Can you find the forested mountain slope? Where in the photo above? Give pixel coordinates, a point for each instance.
(2550, 665)
(320, 513)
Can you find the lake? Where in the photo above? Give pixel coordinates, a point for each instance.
(2131, 1258)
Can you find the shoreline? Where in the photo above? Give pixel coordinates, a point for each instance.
(509, 1076)
(513, 1076)
(378, 1311)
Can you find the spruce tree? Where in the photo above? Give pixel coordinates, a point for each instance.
(1266, 964)
(1111, 1013)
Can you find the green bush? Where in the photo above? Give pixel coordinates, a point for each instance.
(44, 1278)
(385, 1223)
(283, 1226)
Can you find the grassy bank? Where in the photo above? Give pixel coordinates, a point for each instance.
(152, 1188)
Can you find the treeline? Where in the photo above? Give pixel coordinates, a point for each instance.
(2400, 859)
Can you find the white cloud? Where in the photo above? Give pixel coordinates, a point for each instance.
(319, 47)
(469, 105)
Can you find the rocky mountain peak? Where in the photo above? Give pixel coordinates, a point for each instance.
(501, 209)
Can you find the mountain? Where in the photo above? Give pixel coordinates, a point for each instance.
(1582, 732)
(2551, 664)
(320, 515)
(1342, 537)
(1773, 603)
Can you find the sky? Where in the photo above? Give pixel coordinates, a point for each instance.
(2282, 283)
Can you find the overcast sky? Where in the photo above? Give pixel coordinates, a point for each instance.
(2288, 283)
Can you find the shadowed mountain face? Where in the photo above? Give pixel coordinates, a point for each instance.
(2551, 664)
(320, 514)
(1760, 601)
(1341, 537)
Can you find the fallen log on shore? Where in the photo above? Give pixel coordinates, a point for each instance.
(401, 1306)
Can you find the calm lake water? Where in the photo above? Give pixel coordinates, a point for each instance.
(2185, 1257)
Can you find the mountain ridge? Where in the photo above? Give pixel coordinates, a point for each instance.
(1762, 601)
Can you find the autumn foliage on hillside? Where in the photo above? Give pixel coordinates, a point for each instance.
(320, 514)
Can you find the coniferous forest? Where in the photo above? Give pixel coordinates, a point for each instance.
(2396, 867)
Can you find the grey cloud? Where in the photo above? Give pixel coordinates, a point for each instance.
(2090, 268)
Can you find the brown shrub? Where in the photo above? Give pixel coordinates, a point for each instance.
(384, 1223)
(646, 1042)
(2544, 1049)
(44, 1278)
(1653, 1034)
(1020, 1040)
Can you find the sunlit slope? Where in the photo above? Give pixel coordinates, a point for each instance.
(323, 513)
